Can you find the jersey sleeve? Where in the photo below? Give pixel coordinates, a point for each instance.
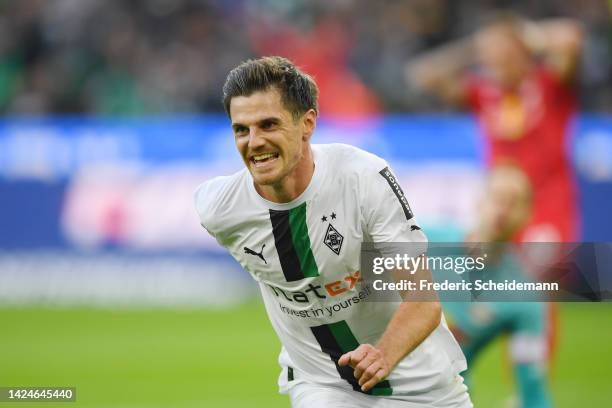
(562, 92)
(205, 199)
(387, 214)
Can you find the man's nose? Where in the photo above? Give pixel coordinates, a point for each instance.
(255, 139)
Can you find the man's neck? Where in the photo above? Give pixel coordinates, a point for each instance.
(293, 185)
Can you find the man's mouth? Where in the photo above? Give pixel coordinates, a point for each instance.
(262, 159)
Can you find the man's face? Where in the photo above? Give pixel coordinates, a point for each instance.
(501, 53)
(506, 205)
(268, 138)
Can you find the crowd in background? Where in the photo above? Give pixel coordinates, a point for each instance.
(169, 56)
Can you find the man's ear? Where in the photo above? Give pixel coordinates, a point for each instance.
(309, 123)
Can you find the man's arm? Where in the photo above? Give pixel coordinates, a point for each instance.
(441, 71)
(413, 322)
(389, 220)
(558, 42)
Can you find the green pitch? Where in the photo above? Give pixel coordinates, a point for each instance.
(227, 358)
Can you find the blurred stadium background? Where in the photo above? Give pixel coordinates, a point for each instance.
(111, 116)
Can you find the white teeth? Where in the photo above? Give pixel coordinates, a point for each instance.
(263, 156)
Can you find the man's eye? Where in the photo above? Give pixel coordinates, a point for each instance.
(241, 131)
(267, 125)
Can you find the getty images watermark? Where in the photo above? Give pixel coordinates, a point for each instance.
(488, 271)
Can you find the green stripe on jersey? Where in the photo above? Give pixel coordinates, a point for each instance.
(344, 336)
(347, 341)
(301, 241)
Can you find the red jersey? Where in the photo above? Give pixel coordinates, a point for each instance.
(530, 128)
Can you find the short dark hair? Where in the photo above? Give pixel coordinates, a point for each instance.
(298, 90)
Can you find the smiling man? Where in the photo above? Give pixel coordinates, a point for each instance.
(295, 219)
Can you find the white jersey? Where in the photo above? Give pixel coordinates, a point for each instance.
(305, 256)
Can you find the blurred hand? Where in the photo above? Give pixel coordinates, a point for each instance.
(369, 364)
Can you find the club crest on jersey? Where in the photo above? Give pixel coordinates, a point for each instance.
(333, 239)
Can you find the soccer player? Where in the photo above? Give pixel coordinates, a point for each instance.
(523, 96)
(504, 209)
(295, 218)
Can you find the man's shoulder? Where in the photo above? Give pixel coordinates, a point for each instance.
(214, 197)
(346, 159)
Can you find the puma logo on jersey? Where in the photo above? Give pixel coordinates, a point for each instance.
(257, 254)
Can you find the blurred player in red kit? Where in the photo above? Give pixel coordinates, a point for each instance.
(523, 96)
